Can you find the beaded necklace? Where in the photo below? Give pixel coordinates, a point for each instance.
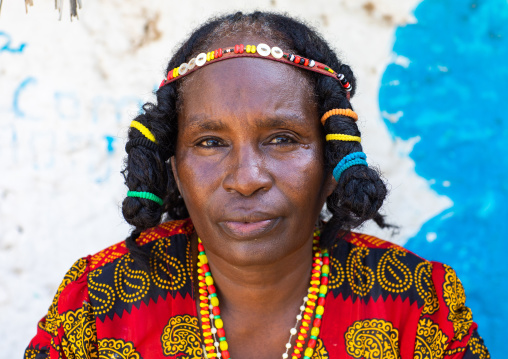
(215, 343)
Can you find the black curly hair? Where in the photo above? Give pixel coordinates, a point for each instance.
(360, 191)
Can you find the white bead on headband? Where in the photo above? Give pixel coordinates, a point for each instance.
(260, 51)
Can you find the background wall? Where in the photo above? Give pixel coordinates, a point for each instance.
(432, 78)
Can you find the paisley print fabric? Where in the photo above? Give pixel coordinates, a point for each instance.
(425, 287)
(374, 338)
(430, 340)
(320, 351)
(455, 299)
(384, 302)
(81, 339)
(182, 336)
(117, 349)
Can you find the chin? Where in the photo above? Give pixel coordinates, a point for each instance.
(259, 252)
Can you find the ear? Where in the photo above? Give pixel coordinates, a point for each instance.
(329, 185)
(175, 173)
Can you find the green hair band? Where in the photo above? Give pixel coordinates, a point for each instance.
(145, 195)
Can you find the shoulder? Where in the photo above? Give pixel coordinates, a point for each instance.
(108, 283)
(79, 274)
(426, 298)
(368, 241)
(147, 238)
(95, 279)
(375, 252)
(116, 282)
(369, 267)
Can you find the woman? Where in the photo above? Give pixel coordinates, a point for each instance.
(239, 157)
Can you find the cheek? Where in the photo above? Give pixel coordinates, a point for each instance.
(301, 174)
(298, 180)
(200, 182)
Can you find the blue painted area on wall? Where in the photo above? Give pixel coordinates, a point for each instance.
(453, 95)
(7, 46)
(16, 108)
(110, 140)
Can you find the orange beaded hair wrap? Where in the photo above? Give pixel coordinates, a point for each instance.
(339, 111)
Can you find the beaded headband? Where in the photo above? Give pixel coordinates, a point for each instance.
(260, 51)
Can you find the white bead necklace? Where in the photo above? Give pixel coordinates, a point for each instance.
(292, 332)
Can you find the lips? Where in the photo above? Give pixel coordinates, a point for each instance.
(248, 229)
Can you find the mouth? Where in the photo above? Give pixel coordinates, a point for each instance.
(249, 230)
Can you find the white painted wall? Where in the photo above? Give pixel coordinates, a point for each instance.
(76, 85)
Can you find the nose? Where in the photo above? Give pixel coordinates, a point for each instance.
(246, 172)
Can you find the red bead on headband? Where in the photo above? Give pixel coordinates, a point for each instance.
(261, 51)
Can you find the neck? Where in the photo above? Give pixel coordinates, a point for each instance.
(259, 302)
(263, 289)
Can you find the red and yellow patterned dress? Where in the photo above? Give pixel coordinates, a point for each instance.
(383, 303)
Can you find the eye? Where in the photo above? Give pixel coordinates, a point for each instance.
(210, 142)
(282, 140)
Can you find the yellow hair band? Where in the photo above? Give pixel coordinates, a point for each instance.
(341, 137)
(339, 111)
(145, 131)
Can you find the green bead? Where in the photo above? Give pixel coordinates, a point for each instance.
(306, 357)
(202, 253)
(207, 274)
(222, 339)
(313, 337)
(324, 274)
(322, 295)
(319, 316)
(213, 295)
(216, 317)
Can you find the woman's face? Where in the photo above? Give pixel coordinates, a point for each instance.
(249, 159)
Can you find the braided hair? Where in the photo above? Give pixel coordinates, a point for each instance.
(360, 191)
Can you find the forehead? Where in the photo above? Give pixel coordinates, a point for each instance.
(241, 85)
(246, 78)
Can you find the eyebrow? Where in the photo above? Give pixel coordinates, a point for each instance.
(202, 122)
(280, 122)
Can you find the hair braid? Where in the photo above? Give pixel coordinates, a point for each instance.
(147, 170)
(360, 191)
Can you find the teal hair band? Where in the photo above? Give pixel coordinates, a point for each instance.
(353, 159)
(145, 195)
